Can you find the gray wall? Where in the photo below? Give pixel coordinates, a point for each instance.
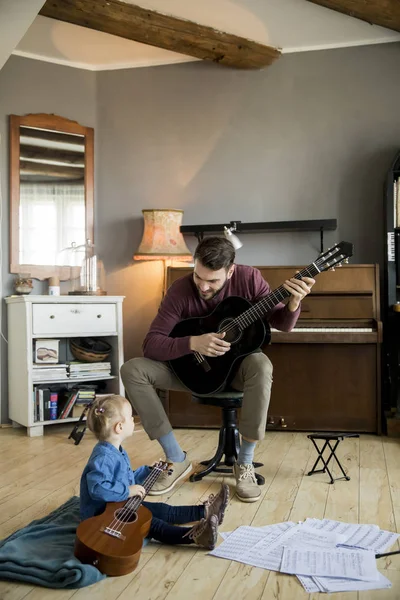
(30, 86)
(310, 137)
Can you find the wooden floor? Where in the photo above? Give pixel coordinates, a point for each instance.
(39, 474)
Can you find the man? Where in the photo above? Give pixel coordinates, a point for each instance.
(214, 278)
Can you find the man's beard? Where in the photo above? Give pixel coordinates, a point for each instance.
(212, 293)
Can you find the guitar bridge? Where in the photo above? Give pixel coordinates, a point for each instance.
(113, 532)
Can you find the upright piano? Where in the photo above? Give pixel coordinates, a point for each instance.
(327, 369)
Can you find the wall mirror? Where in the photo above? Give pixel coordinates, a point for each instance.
(51, 193)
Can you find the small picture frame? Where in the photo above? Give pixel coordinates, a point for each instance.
(46, 351)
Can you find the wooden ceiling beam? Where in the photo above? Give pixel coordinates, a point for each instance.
(164, 31)
(385, 13)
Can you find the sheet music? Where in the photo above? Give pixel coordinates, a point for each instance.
(369, 537)
(336, 584)
(333, 584)
(325, 555)
(267, 554)
(281, 526)
(239, 542)
(347, 530)
(309, 584)
(349, 564)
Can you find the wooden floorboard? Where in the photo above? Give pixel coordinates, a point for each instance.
(39, 474)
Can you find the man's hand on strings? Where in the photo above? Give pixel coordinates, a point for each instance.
(209, 344)
(298, 288)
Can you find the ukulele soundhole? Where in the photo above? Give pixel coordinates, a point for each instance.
(125, 515)
(233, 333)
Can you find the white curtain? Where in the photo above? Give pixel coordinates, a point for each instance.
(52, 216)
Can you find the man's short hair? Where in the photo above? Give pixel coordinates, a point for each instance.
(215, 253)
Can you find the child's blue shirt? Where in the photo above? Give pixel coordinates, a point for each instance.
(106, 478)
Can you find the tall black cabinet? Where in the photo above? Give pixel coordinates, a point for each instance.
(391, 290)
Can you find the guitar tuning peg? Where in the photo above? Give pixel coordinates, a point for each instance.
(332, 269)
(346, 260)
(339, 265)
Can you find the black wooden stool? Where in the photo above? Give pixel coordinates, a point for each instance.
(329, 437)
(229, 440)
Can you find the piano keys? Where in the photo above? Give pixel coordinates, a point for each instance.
(340, 332)
(327, 369)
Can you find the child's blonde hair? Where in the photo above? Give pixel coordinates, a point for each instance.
(104, 414)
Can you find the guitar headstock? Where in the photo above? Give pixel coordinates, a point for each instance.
(161, 465)
(334, 257)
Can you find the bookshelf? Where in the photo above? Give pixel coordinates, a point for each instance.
(62, 318)
(69, 381)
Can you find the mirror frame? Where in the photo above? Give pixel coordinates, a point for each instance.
(52, 123)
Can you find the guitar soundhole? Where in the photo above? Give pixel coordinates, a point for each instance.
(233, 333)
(125, 515)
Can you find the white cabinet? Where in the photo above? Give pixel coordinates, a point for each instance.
(58, 317)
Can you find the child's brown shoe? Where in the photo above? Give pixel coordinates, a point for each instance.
(205, 533)
(216, 504)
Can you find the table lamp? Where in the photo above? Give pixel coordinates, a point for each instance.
(162, 239)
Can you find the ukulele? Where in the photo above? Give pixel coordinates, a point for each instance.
(244, 326)
(112, 541)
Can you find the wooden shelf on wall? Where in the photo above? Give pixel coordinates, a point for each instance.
(320, 225)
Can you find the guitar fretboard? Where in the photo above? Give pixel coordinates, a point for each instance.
(262, 308)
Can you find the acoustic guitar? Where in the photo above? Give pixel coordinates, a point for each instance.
(245, 328)
(112, 541)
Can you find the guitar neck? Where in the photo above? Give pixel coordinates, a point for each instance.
(134, 502)
(263, 307)
(151, 479)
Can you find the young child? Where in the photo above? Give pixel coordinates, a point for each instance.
(108, 477)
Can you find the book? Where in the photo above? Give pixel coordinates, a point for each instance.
(41, 404)
(53, 406)
(69, 404)
(46, 404)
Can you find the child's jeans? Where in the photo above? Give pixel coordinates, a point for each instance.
(163, 528)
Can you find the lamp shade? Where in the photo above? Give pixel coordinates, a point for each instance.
(162, 238)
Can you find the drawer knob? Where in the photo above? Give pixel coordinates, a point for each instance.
(99, 316)
(52, 316)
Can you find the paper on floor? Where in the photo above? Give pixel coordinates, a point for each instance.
(264, 547)
(350, 564)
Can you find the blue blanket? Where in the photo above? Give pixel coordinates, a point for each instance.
(43, 552)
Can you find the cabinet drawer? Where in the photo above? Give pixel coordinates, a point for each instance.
(73, 319)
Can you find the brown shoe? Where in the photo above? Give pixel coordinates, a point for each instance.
(168, 479)
(216, 504)
(205, 533)
(247, 489)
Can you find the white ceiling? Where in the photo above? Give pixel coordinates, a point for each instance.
(293, 25)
